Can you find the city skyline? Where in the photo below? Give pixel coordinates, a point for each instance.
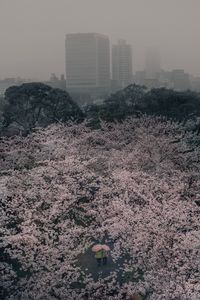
(149, 53)
(32, 32)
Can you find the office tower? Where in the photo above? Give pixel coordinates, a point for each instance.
(152, 65)
(87, 63)
(122, 73)
(152, 69)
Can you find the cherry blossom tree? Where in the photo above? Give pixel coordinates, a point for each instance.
(134, 185)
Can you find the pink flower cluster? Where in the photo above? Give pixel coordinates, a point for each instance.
(64, 187)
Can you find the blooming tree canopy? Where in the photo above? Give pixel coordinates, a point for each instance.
(135, 185)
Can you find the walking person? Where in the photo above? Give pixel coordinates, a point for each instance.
(99, 256)
(105, 257)
(105, 253)
(98, 253)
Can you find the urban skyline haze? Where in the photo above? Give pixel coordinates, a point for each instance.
(33, 32)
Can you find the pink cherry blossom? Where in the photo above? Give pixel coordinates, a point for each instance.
(134, 184)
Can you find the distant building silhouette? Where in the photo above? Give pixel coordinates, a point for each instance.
(87, 63)
(195, 83)
(180, 80)
(122, 73)
(175, 79)
(140, 77)
(154, 76)
(55, 82)
(152, 68)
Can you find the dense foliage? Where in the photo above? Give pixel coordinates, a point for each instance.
(133, 185)
(33, 105)
(136, 100)
(37, 105)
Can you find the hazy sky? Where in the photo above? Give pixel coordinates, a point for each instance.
(32, 32)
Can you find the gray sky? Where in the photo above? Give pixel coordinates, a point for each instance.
(32, 32)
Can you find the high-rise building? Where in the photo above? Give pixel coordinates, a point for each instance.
(87, 63)
(122, 73)
(152, 68)
(152, 64)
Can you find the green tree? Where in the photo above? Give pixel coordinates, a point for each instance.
(120, 105)
(136, 100)
(177, 105)
(36, 104)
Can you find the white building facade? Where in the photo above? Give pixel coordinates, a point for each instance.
(122, 73)
(87, 62)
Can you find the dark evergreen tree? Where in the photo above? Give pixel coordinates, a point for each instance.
(36, 104)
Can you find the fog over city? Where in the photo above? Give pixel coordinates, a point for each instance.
(32, 32)
(99, 149)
